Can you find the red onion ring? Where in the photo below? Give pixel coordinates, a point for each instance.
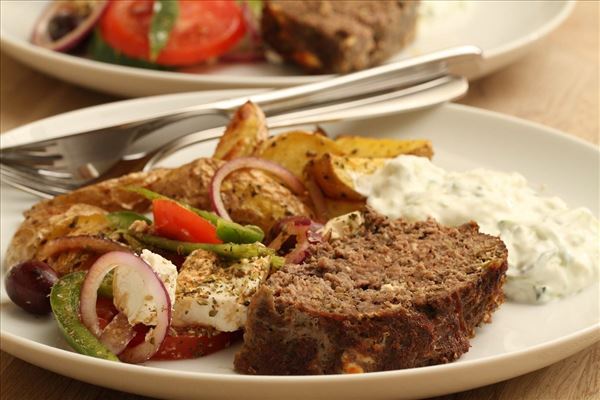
(306, 232)
(89, 294)
(289, 179)
(117, 334)
(299, 253)
(81, 242)
(41, 36)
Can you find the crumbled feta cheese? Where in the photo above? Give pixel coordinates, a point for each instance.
(216, 295)
(344, 225)
(133, 299)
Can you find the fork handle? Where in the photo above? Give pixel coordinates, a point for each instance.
(421, 96)
(398, 74)
(401, 73)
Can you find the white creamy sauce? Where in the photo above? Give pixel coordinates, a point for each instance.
(553, 251)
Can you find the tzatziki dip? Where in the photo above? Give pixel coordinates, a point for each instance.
(553, 251)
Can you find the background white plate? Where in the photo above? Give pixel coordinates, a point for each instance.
(504, 29)
(521, 338)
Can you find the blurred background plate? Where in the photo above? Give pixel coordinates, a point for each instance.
(505, 30)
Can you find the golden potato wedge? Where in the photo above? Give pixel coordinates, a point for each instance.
(333, 174)
(360, 146)
(337, 207)
(246, 130)
(293, 150)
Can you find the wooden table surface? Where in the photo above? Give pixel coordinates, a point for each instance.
(557, 84)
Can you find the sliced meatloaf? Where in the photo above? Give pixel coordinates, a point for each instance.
(324, 36)
(393, 295)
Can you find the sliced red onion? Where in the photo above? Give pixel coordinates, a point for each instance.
(305, 231)
(287, 227)
(313, 234)
(81, 242)
(299, 253)
(289, 179)
(41, 34)
(117, 334)
(89, 294)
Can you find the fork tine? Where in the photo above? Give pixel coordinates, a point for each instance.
(35, 183)
(41, 146)
(38, 172)
(39, 180)
(30, 158)
(46, 191)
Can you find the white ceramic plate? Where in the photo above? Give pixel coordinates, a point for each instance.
(521, 338)
(505, 30)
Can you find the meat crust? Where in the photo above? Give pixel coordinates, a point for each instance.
(395, 295)
(326, 36)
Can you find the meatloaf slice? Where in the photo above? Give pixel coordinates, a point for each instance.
(323, 36)
(394, 295)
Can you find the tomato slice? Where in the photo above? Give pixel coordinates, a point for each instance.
(179, 344)
(189, 344)
(176, 222)
(203, 29)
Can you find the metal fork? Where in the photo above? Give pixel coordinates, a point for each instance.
(43, 184)
(87, 156)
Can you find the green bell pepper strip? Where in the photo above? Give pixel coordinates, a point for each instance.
(124, 219)
(227, 231)
(225, 250)
(231, 251)
(64, 300)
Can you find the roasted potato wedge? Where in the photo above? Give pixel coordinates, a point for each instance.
(252, 197)
(337, 207)
(333, 174)
(360, 146)
(293, 150)
(246, 130)
(51, 222)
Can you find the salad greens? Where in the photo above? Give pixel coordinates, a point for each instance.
(163, 21)
(101, 51)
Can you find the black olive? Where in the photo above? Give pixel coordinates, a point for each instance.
(28, 285)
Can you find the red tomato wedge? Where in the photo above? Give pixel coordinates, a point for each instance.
(179, 344)
(185, 343)
(176, 222)
(203, 29)
(189, 345)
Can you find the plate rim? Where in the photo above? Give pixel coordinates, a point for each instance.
(12, 343)
(249, 91)
(13, 42)
(15, 342)
(540, 33)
